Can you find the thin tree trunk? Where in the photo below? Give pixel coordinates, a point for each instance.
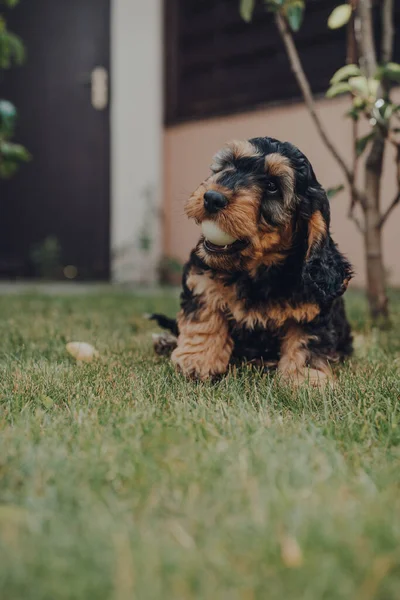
(369, 199)
(376, 285)
(376, 288)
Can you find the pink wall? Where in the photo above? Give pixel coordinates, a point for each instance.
(190, 147)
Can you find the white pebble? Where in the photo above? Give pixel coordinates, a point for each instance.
(82, 351)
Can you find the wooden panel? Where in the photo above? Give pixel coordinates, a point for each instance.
(64, 192)
(218, 64)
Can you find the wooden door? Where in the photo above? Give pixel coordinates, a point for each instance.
(55, 212)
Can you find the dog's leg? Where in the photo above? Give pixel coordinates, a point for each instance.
(295, 356)
(204, 345)
(164, 343)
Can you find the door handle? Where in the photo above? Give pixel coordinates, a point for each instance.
(99, 88)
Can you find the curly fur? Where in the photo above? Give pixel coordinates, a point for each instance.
(278, 298)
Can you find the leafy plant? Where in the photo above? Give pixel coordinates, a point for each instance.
(12, 50)
(11, 154)
(368, 84)
(46, 256)
(333, 191)
(293, 10)
(12, 53)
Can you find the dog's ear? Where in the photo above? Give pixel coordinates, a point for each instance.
(317, 232)
(326, 272)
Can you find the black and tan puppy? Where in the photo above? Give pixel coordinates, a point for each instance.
(266, 280)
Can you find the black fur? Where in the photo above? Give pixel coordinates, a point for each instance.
(319, 276)
(165, 323)
(330, 330)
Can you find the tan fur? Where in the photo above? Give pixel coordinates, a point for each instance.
(294, 357)
(220, 297)
(294, 353)
(269, 247)
(279, 166)
(346, 283)
(204, 345)
(243, 149)
(240, 219)
(233, 150)
(316, 231)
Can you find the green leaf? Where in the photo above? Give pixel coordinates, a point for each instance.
(14, 152)
(246, 9)
(8, 117)
(12, 50)
(345, 72)
(387, 111)
(294, 14)
(8, 168)
(373, 87)
(359, 103)
(359, 86)
(353, 113)
(339, 16)
(273, 4)
(382, 111)
(362, 143)
(337, 89)
(333, 191)
(10, 3)
(379, 75)
(391, 71)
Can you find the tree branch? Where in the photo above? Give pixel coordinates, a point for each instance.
(396, 199)
(354, 218)
(366, 38)
(352, 59)
(387, 30)
(394, 203)
(305, 88)
(387, 53)
(353, 197)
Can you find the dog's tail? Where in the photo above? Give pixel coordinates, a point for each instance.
(165, 322)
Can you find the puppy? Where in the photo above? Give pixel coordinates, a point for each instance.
(265, 281)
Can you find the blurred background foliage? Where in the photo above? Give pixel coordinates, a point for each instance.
(12, 53)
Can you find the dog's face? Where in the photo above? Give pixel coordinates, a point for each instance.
(261, 193)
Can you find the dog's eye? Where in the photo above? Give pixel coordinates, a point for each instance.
(271, 186)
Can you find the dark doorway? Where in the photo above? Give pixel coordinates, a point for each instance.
(55, 212)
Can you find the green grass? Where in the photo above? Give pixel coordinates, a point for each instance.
(120, 480)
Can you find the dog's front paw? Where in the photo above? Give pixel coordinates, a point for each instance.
(306, 376)
(198, 366)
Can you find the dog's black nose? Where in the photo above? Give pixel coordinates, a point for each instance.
(214, 201)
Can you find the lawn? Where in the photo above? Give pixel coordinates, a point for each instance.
(121, 480)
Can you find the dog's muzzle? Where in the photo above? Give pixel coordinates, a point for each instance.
(217, 241)
(214, 201)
